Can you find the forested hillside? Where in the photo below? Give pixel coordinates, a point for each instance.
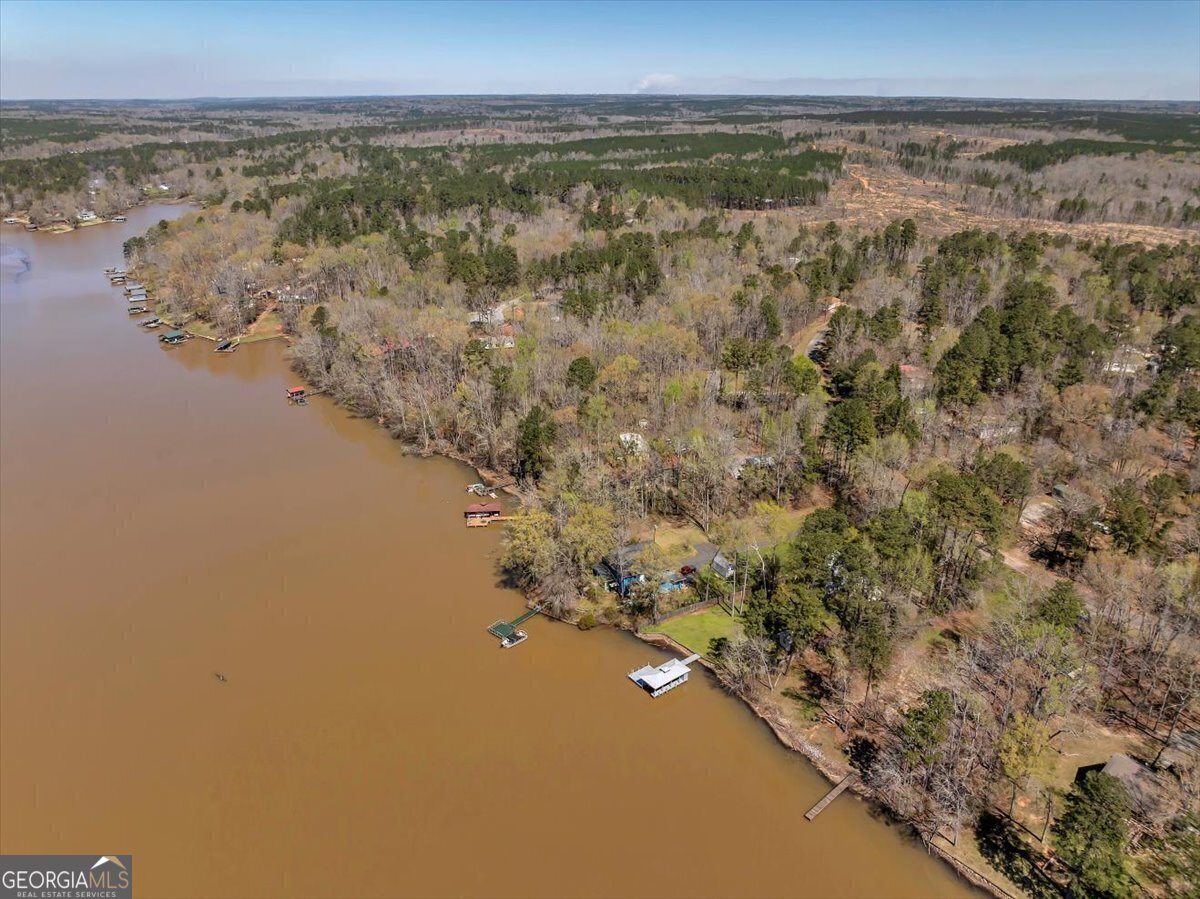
(955, 469)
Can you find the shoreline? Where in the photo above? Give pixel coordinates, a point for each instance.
(64, 227)
(829, 769)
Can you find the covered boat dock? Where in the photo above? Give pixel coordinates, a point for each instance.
(508, 631)
(667, 676)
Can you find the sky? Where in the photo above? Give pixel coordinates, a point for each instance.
(180, 49)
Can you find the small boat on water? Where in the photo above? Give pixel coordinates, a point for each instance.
(113, 270)
(226, 346)
(137, 310)
(151, 323)
(119, 218)
(517, 638)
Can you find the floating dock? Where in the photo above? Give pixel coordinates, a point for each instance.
(830, 796)
(508, 631)
(667, 676)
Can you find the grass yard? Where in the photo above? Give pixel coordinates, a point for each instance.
(202, 328)
(678, 539)
(697, 630)
(267, 326)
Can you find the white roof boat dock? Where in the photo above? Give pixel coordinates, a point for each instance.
(667, 676)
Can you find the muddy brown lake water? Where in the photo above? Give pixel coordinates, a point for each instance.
(166, 516)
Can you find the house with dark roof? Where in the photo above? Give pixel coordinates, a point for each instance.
(617, 568)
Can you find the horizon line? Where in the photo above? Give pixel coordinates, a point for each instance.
(594, 94)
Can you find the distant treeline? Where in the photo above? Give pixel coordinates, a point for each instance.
(1150, 127)
(1038, 155)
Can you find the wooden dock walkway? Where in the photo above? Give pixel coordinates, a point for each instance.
(830, 796)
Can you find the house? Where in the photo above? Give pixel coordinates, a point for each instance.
(1149, 791)
(997, 431)
(86, 215)
(483, 511)
(632, 442)
(1127, 360)
(707, 554)
(671, 581)
(1123, 367)
(723, 566)
(491, 316)
(616, 568)
(739, 464)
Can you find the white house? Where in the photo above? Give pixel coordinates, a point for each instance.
(632, 442)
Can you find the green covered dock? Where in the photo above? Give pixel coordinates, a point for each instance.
(508, 631)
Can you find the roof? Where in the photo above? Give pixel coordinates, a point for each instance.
(1122, 766)
(620, 560)
(171, 334)
(722, 565)
(295, 390)
(1146, 789)
(483, 508)
(653, 678)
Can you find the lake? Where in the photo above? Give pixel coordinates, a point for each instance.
(167, 517)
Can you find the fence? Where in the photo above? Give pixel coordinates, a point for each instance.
(684, 610)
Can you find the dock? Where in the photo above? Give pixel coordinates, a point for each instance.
(508, 631)
(667, 676)
(830, 796)
(484, 522)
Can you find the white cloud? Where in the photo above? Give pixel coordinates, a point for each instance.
(656, 82)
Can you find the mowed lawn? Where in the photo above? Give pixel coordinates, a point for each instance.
(697, 630)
